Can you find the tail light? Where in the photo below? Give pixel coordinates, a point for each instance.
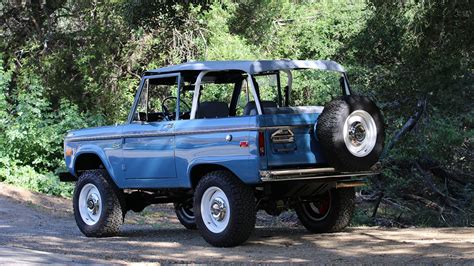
(261, 143)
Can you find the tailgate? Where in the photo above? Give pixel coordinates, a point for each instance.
(290, 140)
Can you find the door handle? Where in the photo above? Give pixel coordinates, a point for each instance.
(169, 125)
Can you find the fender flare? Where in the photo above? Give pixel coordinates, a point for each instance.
(220, 164)
(95, 150)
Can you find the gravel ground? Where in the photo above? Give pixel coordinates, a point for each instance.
(36, 224)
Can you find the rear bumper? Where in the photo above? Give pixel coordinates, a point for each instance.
(321, 174)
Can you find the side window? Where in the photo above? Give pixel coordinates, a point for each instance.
(219, 96)
(152, 106)
(214, 100)
(314, 88)
(244, 98)
(157, 93)
(268, 87)
(217, 92)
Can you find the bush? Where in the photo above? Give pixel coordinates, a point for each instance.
(27, 177)
(32, 133)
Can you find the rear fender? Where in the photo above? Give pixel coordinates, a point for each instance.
(238, 165)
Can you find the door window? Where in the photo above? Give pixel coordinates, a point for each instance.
(157, 101)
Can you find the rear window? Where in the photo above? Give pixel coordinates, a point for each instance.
(309, 87)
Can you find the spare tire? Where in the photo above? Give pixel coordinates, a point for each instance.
(351, 133)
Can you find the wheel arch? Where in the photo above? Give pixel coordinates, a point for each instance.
(196, 172)
(87, 161)
(90, 158)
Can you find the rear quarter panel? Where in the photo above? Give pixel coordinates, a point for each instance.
(203, 141)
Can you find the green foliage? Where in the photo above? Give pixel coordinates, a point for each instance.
(308, 30)
(424, 142)
(34, 132)
(27, 177)
(5, 78)
(221, 44)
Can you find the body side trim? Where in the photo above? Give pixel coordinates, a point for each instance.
(188, 132)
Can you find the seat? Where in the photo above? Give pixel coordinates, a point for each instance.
(251, 107)
(212, 109)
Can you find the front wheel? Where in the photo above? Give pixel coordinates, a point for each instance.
(329, 212)
(97, 207)
(224, 208)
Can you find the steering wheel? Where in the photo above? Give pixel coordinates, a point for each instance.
(166, 111)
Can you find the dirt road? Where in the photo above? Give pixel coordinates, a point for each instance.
(43, 227)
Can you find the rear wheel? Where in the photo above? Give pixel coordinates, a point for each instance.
(185, 213)
(225, 209)
(329, 212)
(97, 208)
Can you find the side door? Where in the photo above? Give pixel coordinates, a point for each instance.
(214, 135)
(148, 140)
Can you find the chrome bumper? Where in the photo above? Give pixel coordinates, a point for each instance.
(308, 174)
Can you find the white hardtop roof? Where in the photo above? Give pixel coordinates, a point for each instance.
(251, 67)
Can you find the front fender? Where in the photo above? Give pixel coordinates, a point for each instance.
(96, 150)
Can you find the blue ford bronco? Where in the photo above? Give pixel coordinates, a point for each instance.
(224, 139)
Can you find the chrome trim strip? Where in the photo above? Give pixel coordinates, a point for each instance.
(176, 133)
(216, 130)
(91, 138)
(162, 133)
(287, 127)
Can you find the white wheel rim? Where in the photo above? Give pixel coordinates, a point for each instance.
(215, 209)
(360, 133)
(90, 204)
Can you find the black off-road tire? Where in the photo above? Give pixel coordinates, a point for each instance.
(329, 130)
(242, 209)
(185, 217)
(111, 216)
(339, 216)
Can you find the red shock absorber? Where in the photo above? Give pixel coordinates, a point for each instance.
(261, 143)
